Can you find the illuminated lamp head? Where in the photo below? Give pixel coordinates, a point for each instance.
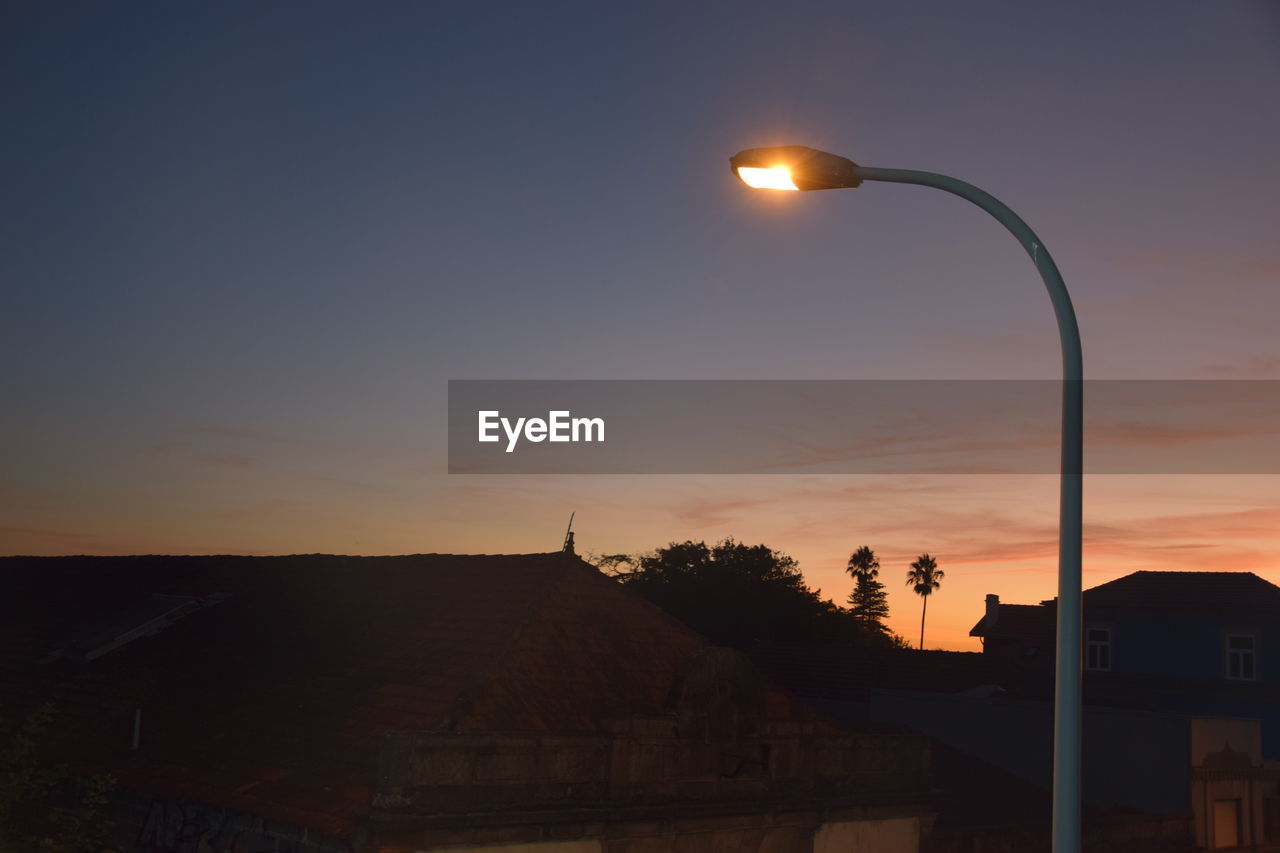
(794, 167)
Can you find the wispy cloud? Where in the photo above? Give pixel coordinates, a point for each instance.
(36, 540)
(1252, 366)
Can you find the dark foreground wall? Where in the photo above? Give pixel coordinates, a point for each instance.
(1138, 759)
(1131, 834)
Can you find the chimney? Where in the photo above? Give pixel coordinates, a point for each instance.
(993, 611)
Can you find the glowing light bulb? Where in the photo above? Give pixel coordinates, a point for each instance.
(777, 178)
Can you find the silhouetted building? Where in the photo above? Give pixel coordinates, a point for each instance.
(1021, 634)
(1204, 643)
(429, 702)
(1197, 645)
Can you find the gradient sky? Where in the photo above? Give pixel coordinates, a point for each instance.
(244, 247)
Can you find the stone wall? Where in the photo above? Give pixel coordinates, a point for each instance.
(642, 788)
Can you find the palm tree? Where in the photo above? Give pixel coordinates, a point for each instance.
(924, 578)
(863, 562)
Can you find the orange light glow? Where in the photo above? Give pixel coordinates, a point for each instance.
(777, 178)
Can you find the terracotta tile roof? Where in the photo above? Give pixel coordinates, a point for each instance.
(274, 700)
(593, 652)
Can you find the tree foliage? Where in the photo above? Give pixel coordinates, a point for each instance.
(868, 602)
(736, 594)
(42, 807)
(924, 577)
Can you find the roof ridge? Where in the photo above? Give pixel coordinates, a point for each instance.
(53, 557)
(1182, 572)
(646, 603)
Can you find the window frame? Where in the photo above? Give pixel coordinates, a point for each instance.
(1250, 654)
(1091, 644)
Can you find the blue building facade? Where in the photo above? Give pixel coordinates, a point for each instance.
(1199, 643)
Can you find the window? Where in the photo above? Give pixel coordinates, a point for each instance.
(1097, 648)
(1240, 657)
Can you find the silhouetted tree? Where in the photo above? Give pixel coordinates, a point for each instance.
(735, 594)
(923, 578)
(868, 602)
(42, 806)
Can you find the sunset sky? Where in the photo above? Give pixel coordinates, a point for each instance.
(245, 246)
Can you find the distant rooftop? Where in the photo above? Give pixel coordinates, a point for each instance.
(1243, 590)
(1196, 590)
(1035, 622)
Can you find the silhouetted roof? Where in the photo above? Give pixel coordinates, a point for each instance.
(1191, 590)
(1033, 622)
(273, 699)
(1228, 590)
(823, 673)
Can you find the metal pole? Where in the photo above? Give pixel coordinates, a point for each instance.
(1066, 708)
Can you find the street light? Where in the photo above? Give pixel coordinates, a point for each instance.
(795, 167)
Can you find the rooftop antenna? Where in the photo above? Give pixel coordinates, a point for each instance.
(567, 547)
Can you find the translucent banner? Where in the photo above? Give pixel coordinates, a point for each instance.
(858, 427)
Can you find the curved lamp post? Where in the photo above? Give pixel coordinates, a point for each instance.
(794, 167)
